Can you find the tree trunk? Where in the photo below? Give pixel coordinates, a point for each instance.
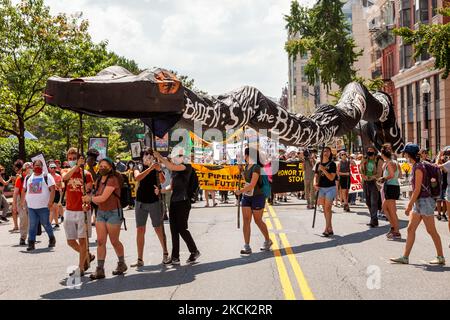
(21, 137)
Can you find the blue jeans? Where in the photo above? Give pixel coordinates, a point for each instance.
(39, 215)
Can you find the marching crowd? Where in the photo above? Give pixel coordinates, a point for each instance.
(81, 193)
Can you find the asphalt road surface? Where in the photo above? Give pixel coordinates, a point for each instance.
(354, 264)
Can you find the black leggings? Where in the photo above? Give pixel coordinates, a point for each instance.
(179, 215)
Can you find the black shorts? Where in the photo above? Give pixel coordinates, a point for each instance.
(344, 182)
(57, 197)
(391, 192)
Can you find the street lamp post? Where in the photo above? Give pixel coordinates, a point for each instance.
(426, 89)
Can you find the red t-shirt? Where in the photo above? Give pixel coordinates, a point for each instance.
(19, 184)
(74, 191)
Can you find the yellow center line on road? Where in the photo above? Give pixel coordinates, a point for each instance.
(299, 275)
(284, 277)
(301, 280)
(269, 224)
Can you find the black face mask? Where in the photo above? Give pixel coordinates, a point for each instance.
(370, 154)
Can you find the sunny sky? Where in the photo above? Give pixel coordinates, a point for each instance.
(222, 44)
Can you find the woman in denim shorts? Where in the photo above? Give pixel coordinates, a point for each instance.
(253, 201)
(109, 219)
(422, 206)
(324, 182)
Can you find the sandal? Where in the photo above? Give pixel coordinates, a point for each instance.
(87, 264)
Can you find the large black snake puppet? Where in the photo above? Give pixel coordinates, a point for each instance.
(157, 94)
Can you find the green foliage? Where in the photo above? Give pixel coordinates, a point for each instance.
(431, 38)
(324, 34)
(9, 151)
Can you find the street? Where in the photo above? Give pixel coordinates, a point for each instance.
(303, 265)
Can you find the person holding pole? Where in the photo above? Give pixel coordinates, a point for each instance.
(253, 201)
(74, 220)
(324, 183)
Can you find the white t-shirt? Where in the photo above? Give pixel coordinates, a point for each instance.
(37, 191)
(447, 168)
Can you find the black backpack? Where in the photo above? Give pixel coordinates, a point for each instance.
(193, 186)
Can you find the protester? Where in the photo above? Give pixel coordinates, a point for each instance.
(55, 209)
(120, 166)
(131, 166)
(308, 168)
(343, 171)
(371, 170)
(39, 193)
(3, 202)
(92, 168)
(391, 189)
(180, 205)
(75, 219)
(352, 196)
(324, 182)
(168, 193)
(23, 171)
(149, 204)
(420, 208)
(253, 201)
(424, 156)
(109, 219)
(441, 203)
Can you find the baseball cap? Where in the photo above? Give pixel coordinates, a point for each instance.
(411, 148)
(52, 165)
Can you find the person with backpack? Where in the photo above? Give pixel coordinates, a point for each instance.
(441, 204)
(391, 189)
(109, 217)
(149, 204)
(253, 201)
(421, 206)
(38, 192)
(371, 170)
(76, 229)
(184, 183)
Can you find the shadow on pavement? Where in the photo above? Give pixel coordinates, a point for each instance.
(170, 277)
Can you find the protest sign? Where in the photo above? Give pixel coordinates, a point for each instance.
(218, 178)
(289, 178)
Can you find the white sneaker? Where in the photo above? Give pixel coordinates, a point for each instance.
(267, 245)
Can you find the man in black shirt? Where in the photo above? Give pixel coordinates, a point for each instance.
(148, 203)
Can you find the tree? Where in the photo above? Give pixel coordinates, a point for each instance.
(324, 34)
(35, 45)
(431, 38)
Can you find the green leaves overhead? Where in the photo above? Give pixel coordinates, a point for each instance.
(431, 38)
(324, 34)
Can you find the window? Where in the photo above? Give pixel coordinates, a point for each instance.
(405, 16)
(402, 110)
(437, 97)
(422, 11)
(418, 113)
(419, 133)
(410, 103)
(437, 128)
(406, 56)
(434, 7)
(305, 92)
(304, 77)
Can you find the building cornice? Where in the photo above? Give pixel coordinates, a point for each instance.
(418, 72)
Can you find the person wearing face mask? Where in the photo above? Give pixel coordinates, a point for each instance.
(420, 208)
(149, 204)
(74, 221)
(131, 166)
(343, 171)
(180, 205)
(54, 212)
(92, 167)
(109, 217)
(22, 170)
(3, 202)
(371, 170)
(39, 193)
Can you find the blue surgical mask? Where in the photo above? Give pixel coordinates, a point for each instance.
(72, 164)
